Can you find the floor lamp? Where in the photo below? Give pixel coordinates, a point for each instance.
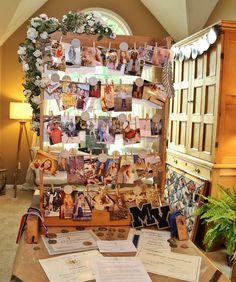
(21, 112)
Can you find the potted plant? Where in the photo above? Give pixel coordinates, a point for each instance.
(220, 216)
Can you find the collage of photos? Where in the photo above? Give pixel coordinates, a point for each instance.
(78, 205)
(130, 62)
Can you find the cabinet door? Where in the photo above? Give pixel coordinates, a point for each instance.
(203, 104)
(178, 117)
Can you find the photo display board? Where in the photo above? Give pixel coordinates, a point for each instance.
(103, 118)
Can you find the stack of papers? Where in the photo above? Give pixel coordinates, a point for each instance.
(72, 267)
(71, 242)
(170, 264)
(116, 246)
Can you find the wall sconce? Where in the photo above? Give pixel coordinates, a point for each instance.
(21, 112)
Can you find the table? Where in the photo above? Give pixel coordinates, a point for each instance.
(27, 267)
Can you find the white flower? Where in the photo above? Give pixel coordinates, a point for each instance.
(25, 67)
(39, 67)
(32, 33)
(43, 16)
(90, 23)
(80, 29)
(55, 20)
(92, 29)
(27, 92)
(64, 18)
(34, 125)
(106, 29)
(39, 61)
(37, 82)
(35, 22)
(37, 53)
(44, 81)
(21, 50)
(36, 100)
(44, 35)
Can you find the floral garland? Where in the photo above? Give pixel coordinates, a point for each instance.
(30, 51)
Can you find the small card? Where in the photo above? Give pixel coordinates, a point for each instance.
(116, 246)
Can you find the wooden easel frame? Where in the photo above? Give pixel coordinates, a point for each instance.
(100, 218)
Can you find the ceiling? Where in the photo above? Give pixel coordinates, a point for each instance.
(14, 13)
(184, 16)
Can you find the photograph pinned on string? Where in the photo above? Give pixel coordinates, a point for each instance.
(152, 162)
(140, 166)
(156, 125)
(82, 207)
(105, 131)
(90, 169)
(131, 131)
(72, 55)
(75, 172)
(57, 57)
(101, 201)
(52, 201)
(119, 210)
(69, 95)
(82, 95)
(91, 57)
(137, 91)
(107, 97)
(126, 174)
(51, 88)
(124, 58)
(45, 162)
(117, 125)
(70, 134)
(123, 98)
(100, 172)
(95, 90)
(145, 127)
(111, 170)
(67, 204)
(112, 59)
(155, 93)
(136, 64)
(52, 130)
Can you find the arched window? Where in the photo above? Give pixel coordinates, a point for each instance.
(116, 22)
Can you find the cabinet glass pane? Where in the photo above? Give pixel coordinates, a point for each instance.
(183, 101)
(211, 62)
(182, 133)
(172, 131)
(197, 97)
(210, 99)
(207, 138)
(185, 71)
(195, 137)
(198, 72)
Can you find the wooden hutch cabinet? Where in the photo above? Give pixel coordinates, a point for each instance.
(202, 115)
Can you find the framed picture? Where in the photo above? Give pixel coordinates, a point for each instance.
(183, 193)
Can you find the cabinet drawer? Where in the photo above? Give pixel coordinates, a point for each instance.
(189, 167)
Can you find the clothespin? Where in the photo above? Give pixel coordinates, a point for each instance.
(109, 46)
(51, 113)
(135, 47)
(86, 80)
(60, 39)
(156, 45)
(129, 117)
(94, 46)
(145, 45)
(95, 117)
(147, 116)
(90, 154)
(120, 81)
(106, 81)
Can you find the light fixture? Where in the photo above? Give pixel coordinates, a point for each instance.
(21, 112)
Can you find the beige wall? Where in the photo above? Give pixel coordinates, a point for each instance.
(1, 106)
(137, 16)
(224, 10)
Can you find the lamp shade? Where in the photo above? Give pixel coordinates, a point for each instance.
(20, 111)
